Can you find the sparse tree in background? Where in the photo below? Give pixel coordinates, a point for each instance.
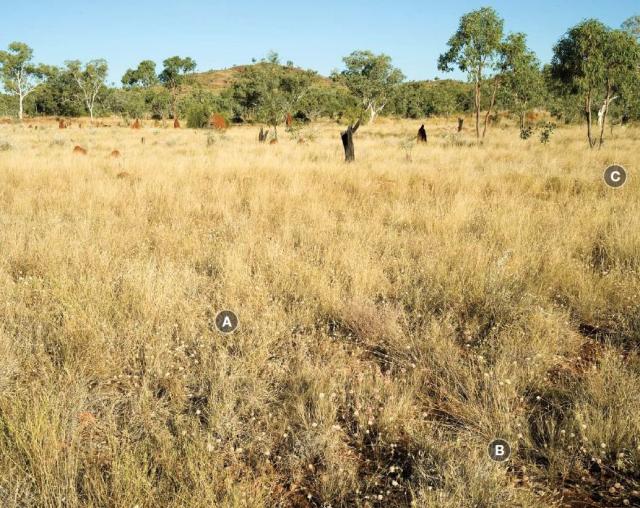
(90, 79)
(371, 78)
(621, 63)
(143, 76)
(57, 96)
(475, 49)
(594, 62)
(173, 75)
(521, 76)
(578, 63)
(632, 26)
(631, 91)
(158, 103)
(19, 75)
(267, 91)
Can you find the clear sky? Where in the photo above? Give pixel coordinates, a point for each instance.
(313, 34)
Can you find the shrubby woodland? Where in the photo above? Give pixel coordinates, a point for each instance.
(593, 76)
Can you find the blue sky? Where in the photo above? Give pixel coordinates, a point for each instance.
(313, 34)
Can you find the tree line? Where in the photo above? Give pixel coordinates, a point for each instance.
(593, 77)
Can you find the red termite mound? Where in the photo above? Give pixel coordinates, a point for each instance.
(218, 122)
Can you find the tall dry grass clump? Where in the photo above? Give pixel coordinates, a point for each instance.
(396, 315)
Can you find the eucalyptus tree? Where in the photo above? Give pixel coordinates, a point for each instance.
(371, 78)
(475, 48)
(89, 78)
(20, 76)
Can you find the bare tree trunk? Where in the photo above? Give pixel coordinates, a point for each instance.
(522, 116)
(372, 113)
(587, 110)
(491, 104)
(174, 94)
(20, 107)
(477, 106)
(602, 116)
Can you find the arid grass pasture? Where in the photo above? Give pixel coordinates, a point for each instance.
(396, 315)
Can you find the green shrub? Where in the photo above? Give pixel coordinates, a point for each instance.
(546, 132)
(198, 116)
(526, 132)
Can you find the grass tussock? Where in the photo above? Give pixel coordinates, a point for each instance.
(396, 315)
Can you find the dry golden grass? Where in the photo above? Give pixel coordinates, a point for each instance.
(396, 315)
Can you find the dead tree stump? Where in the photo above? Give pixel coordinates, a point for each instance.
(347, 142)
(262, 136)
(422, 134)
(460, 122)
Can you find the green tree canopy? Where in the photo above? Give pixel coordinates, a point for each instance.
(90, 79)
(475, 49)
(371, 78)
(20, 76)
(594, 62)
(143, 76)
(632, 26)
(267, 91)
(521, 76)
(173, 75)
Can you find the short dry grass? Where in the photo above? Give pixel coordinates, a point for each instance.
(396, 316)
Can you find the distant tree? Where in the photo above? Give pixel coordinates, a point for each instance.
(143, 76)
(90, 79)
(621, 64)
(475, 49)
(173, 75)
(632, 26)
(631, 95)
(423, 99)
(578, 63)
(371, 78)
(273, 58)
(267, 91)
(126, 103)
(325, 101)
(19, 75)
(58, 95)
(594, 62)
(158, 102)
(200, 103)
(521, 76)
